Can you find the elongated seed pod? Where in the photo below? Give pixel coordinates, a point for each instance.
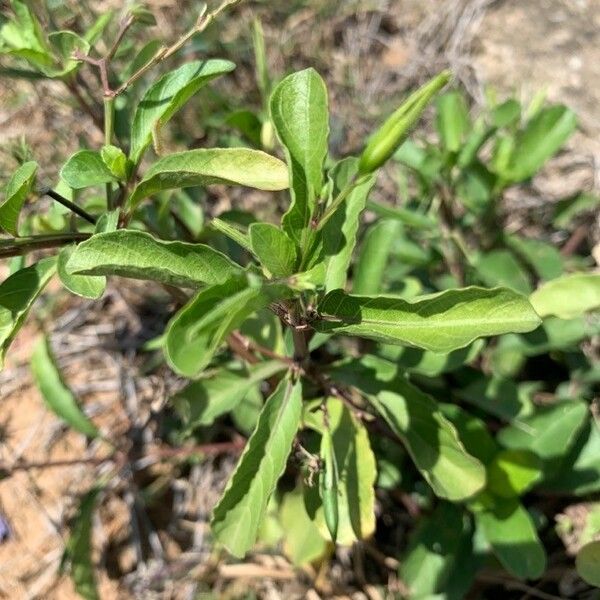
(328, 484)
(390, 136)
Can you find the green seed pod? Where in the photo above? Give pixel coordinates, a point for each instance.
(328, 484)
(390, 136)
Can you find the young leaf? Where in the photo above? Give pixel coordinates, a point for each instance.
(587, 562)
(18, 188)
(544, 258)
(300, 115)
(230, 166)
(338, 236)
(328, 484)
(198, 329)
(541, 139)
(373, 257)
(202, 401)
(165, 97)
(568, 297)
(78, 550)
(356, 475)
(57, 396)
(136, 254)
(116, 161)
(275, 250)
(81, 285)
(510, 531)
(414, 417)
(440, 322)
(17, 295)
(85, 169)
(238, 514)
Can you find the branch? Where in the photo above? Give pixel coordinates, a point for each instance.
(70, 205)
(19, 246)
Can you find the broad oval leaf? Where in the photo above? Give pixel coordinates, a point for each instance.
(230, 166)
(511, 533)
(138, 255)
(568, 297)
(512, 472)
(430, 438)
(587, 562)
(275, 250)
(300, 115)
(237, 516)
(440, 322)
(165, 97)
(85, 169)
(202, 401)
(17, 295)
(18, 188)
(57, 396)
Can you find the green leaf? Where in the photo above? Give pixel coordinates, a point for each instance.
(57, 396)
(93, 34)
(18, 188)
(507, 113)
(300, 115)
(238, 514)
(78, 550)
(452, 120)
(274, 249)
(409, 217)
(512, 472)
(85, 169)
(511, 533)
(116, 161)
(65, 44)
(579, 473)
(81, 285)
(550, 432)
(568, 297)
(302, 541)
(195, 333)
(431, 440)
(138, 255)
(201, 402)
(165, 97)
(229, 166)
(431, 364)
(373, 257)
(433, 550)
(357, 473)
(569, 211)
(539, 140)
(17, 295)
(544, 258)
(500, 267)
(338, 236)
(23, 37)
(587, 562)
(440, 322)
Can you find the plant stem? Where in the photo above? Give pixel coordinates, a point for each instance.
(109, 125)
(338, 200)
(19, 246)
(70, 205)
